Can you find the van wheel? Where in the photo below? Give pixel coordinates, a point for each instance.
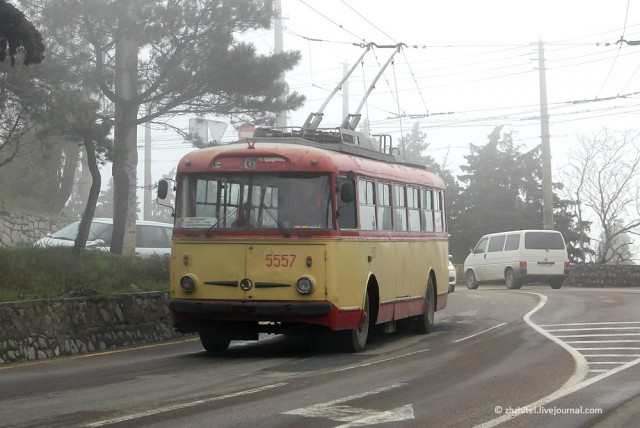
(510, 279)
(354, 340)
(424, 323)
(472, 283)
(556, 283)
(214, 340)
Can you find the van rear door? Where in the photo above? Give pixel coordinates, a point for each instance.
(545, 253)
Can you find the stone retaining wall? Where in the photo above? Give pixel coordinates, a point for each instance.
(38, 329)
(590, 275)
(16, 229)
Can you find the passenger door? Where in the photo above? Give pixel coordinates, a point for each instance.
(495, 258)
(476, 260)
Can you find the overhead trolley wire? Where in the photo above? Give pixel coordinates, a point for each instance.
(626, 16)
(332, 21)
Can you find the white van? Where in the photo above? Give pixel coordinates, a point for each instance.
(517, 257)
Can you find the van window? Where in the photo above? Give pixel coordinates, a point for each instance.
(513, 242)
(543, 241)
(496, 243)
(481, 247)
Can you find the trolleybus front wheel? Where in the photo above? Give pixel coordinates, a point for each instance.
(354, 340)
(214, 340)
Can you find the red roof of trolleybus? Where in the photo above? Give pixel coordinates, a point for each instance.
(299, 157)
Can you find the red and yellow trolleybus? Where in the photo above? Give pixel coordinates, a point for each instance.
(307, 230)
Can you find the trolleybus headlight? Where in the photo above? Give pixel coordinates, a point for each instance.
(304, 285)
(188, 283)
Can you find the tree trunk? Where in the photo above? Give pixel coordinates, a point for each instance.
(71, 158)
(125, 161)
(90, 208)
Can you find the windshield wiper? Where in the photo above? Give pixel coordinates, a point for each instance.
(209, 231)
(281, 226)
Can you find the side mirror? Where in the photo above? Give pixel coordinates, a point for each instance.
(347, 193)
(163, 188)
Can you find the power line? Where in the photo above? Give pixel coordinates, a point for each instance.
(619, 48)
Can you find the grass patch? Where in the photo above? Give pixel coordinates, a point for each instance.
(28, 273)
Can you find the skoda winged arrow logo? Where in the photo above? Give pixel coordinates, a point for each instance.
(246, 284)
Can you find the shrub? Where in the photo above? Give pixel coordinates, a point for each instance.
(28, 273)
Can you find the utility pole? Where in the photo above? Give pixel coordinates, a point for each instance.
(547, 192)
(147, 171)
(281, 116)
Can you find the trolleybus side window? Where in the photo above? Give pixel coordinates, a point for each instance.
(399, 208)
(346, 204)
(427, 210)
(413, 198)
(384, 207)
(367, 205)
(438, 212)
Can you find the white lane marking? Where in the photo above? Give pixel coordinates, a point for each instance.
(609, 355)
(183, 406)
(602, 341)
(591, 323)
(335, 410)
(608, 349)
(356, 366)
(599, 335)
(581, 366)
(572, 385)
(482, 332)
(593, 329)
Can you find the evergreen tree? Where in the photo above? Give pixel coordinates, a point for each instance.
(502, 190)
(178, 57)
(18, 36)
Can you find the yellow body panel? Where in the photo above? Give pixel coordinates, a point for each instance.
(340, 268)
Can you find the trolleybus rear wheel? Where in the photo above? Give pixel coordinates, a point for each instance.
(424, 323)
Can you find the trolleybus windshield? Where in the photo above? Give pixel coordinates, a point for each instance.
(255, 201)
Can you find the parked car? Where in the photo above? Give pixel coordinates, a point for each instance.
(452, 277)
(517, 257)
(152, 237)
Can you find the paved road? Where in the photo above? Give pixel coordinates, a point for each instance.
(529, 357)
